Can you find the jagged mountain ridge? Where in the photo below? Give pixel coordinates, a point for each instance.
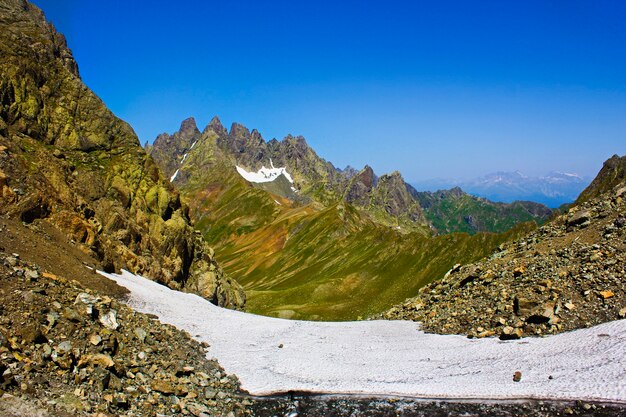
(314, 178)
(388, 199)
(303, 258)
(66, 159)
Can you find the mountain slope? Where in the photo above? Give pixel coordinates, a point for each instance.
(299, 257)
(456, 211)
(613, 172)
(66, 159)
(567, 274)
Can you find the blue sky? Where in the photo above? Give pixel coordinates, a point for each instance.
(432, 89)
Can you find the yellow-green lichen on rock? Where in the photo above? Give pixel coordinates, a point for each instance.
(77, 165)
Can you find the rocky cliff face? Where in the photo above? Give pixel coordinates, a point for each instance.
(176, 146)
(65, 158)
(567, 274)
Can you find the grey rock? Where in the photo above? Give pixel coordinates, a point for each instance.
(109, 320)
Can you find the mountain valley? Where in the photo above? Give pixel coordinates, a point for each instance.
(310, 241)
(128, 274)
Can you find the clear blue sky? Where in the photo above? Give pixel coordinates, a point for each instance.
(432, 89)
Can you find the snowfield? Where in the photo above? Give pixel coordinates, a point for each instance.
(272, 355)
(264, 174)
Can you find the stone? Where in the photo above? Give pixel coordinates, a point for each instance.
(32, 334)
(140, 334)
(580, 218)
(85, 303)
(544, 315)
(606, 294)
(523, 306)
(64, 347)
(95, 339)
(98, 359)
(109, 320)
(510, 333)
(115, 383)
(163, 387)
(197, 409)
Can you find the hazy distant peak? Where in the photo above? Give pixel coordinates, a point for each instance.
(552, 189)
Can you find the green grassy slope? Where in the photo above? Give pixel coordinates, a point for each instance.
(312, 261)
(455, 211)
(336, 264)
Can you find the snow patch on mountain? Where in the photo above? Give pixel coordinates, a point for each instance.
(264, 174)
(272, 355)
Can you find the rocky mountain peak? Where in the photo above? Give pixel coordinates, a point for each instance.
(256, 137)
(361, 186)
(367, 176)
(298, 140)
(45, 43)
(188, 127)
(163, 139)
(238, 130)
(457, 191)
(216, 126)
(394, 195)
(396, 175)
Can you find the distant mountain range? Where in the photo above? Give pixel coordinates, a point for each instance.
(553, 189)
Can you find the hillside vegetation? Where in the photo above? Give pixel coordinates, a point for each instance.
(361, 247)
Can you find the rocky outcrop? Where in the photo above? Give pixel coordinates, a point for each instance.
(393, 195)
(612, 173)
(360, 187)
(566, 275)
(66, 158)
(168, 151)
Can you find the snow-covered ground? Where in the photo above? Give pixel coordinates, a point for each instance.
(391, 357)
(264, 174)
